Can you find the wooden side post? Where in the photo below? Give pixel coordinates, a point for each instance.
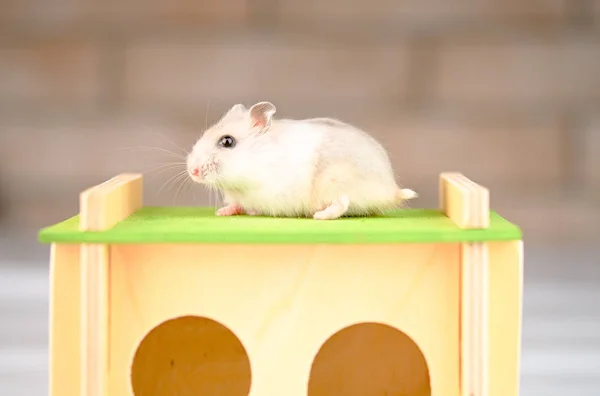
(101, 207)
(467, 204)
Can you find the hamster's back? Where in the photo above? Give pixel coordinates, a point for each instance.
(353, 163)
(342, 141)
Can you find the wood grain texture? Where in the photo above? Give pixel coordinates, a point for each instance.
(465, 202)
(560, 330)
(95, 323)
(101, 207)
(104, 205)
(475, 340)
(65, 321)
(504, 317)
(284, 302)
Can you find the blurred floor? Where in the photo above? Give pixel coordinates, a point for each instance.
(561, 334)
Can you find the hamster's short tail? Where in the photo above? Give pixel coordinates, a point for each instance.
(406, 194)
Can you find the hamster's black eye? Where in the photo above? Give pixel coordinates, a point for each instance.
(227, 141)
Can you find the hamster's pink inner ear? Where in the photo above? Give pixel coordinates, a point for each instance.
(261, 115)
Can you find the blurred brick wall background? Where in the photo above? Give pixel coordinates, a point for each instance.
(505, 91)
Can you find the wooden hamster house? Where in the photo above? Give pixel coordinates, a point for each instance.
(176, 301)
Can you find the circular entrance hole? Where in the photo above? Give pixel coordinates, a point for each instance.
(369, 359)
(190, 356)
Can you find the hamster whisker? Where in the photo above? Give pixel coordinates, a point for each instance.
(181, 180)
(178, 175)
(160, 149)
(164, 165)
(185, 152)
(156, 170)
(214, 190)
(178, 194)
(189, 186)
(206, 115)
(211, 194)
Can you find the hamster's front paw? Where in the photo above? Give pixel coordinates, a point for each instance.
(230, 210)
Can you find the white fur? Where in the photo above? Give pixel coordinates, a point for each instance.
(318, 167)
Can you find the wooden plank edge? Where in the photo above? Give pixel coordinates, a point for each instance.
(94, 319)
(473, 202)
(474, 319)
(104, 205)
(101, 207)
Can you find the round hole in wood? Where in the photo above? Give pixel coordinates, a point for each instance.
(369, 359)
(190, 356)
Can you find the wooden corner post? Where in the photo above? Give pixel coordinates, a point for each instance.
(101, 207)
(467, 204)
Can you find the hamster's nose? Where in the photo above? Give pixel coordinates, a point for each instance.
(195, 171)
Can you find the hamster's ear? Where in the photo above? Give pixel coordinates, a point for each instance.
(237, 110)
(261, 115)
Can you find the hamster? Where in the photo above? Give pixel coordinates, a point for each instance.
(320, 168)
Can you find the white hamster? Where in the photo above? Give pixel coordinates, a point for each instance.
(321, 167)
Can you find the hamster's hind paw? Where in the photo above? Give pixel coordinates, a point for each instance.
(335, 210)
